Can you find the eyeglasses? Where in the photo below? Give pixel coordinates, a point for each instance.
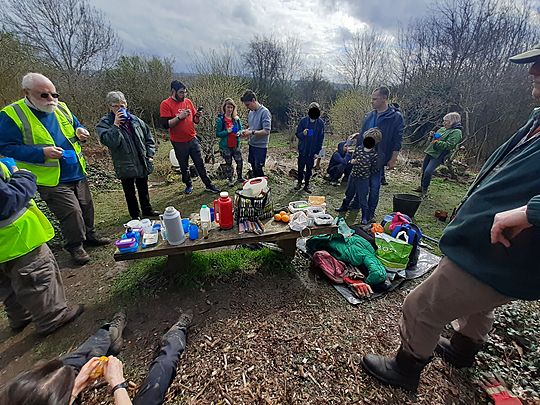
(46, 95)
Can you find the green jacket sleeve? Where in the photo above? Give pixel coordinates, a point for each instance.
(221, 131)
(533, 210)
(450, 142)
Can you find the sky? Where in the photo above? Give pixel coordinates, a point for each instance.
(181, 28)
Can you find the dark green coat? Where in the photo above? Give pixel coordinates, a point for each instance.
(508, 180)
(130, 153)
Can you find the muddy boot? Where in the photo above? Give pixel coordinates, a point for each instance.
(179, 328)
(458, 351)
(78, 255)
(401, 371)
(116, 329)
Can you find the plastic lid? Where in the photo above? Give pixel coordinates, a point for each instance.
(223, 194)
(204, 206)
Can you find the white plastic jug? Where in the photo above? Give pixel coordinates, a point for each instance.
(206, 220)
(173, 224)
(254, 187)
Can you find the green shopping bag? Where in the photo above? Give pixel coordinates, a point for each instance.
(393, 253)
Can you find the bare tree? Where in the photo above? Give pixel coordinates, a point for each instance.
(16, 60)
(365, 59)
(456, 59)
(70, 35)
(225, 61)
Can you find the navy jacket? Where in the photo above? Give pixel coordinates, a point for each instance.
(16, 192)
(339, 157)
(310, 145)
(390, 123)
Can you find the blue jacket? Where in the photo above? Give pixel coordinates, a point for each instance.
(390, 123)
(339, 157)
(309, 145)
(11, 144)
(16, 192)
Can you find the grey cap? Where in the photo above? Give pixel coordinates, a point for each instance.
(530, 56)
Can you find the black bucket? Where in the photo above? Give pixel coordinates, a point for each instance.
(406, 203)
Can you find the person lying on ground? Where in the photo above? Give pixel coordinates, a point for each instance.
(61, 381)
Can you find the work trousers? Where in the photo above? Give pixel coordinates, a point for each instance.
(32, 290)
(72, 204)
(128, 185)
(185, 150)
(448, 295)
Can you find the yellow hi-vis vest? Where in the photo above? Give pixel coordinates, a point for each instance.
(35, 134)
(25, 230)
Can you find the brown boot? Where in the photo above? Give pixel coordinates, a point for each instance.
(78, 255)
(459, 351)
(401, 371)
(70, 315)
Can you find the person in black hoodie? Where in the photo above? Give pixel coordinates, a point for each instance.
(389, 120)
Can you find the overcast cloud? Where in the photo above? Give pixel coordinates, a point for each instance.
(179, 28)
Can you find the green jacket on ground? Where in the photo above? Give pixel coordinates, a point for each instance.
(450, 138)
(222, 134)
(508, 180)
(130, 149)
(350, 248)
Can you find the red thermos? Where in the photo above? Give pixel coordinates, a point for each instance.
(223, 211)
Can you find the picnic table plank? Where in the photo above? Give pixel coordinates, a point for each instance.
(274, 232)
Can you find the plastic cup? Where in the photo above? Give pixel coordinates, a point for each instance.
(193, 232)
(185, 225)
(9, 162)
(212, 218)
(310, 132)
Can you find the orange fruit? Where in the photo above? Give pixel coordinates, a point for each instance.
(277, 217)
(283, 213)
(285, 218)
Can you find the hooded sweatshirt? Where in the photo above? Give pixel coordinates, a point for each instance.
(390, 123)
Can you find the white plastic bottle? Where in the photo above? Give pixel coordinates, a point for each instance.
(206, 220)
(173, 224)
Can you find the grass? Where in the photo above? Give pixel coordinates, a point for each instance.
(147, 277)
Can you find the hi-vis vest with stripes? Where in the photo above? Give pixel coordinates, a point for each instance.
(35, 134)
(25, 230)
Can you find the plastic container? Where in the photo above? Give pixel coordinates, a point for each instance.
(310, 132)
(193, 232)
(69, 156)
(254, 187)
(206, 220)
(127, 245)
(436, 135)
(134, 223)
(406, 203)
(185, 225)
(150, 239)
(295, 206)
(146, 225)
(172, 221)
(223, 208)
(212, 214)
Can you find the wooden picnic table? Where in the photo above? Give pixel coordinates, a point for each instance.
(273, 232)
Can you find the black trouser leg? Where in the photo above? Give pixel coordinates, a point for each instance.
(128, 185)
(301, 167)
(181, 150)
(144, 196)
(310, 161)
(95, 346)
(196, 155)
(163, 369)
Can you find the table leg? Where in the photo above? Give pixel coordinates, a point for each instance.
(288, 246)
(177, 263)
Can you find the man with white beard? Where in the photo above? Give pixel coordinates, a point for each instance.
(44, 137)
